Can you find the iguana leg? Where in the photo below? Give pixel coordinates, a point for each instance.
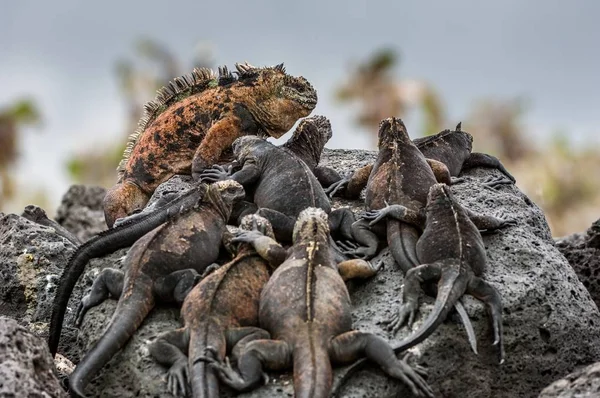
(108, 283)
(485, 292)
(272, 354)
(266, 247)
(326, 175)
(486, 223)
(367, 237)
(440, 171)
(170, 349)
(238, 338)
(397, 212)
(351, 269)
(494, 182)
(350, 186)
(341, 220)
(477, 159)
(350, 346)
(175, 286)
(410, 296)
(283, 225)
(218, 138)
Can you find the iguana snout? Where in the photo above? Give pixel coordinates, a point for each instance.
(255, 222)
(439, 194)
(392, 130)
(312, 224)
(123, 200)
(231, 191)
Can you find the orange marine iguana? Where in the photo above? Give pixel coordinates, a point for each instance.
(193, 122)
(218, 312)
(161, 266)
(453, 254)
(305, 307)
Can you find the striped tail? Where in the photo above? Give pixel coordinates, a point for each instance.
(129, 315)
(203, 379)
(312, 370)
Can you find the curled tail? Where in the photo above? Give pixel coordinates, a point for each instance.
(402, 240)
(312, 370)
(104, 243)
(131, 311)
(203, 379)
(451, 287)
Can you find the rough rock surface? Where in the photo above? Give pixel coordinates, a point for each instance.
(551, 324)
(80, 211)
(583, 383)
(582, 250)
(32, 257)
(26, 367)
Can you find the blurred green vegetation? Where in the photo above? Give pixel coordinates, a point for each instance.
(13, 119)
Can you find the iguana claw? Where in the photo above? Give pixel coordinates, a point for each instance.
(337, 186)
(177, 378)
(494, 182)
(406, 314)
(246, 236)
(216, 173)
(224, 369)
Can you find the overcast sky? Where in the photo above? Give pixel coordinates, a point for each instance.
(63, 54)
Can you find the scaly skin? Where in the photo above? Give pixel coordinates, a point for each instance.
(306, 309)
(193, 122)
(450, 147)
(163, 265)
(282, 184)
(453, 254)
(123, 235)
(218, 312)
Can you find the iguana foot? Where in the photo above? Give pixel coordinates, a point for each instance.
(406, 313)
(246, 236)
(216, 173)
(207, 271)
(412, 377)
(353, 250)
(375, 216)
(225, 371)
(338, 185)
(177, 378)
(457, 180)
(494, 182)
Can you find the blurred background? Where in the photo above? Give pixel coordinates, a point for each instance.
(523, 77)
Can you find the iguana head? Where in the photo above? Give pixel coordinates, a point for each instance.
(310, 138)
(122, 200)
(312, 226)
(277, 100)
(230, 191)
(392, 131)
(254, 222)
(243, 145)
(439, 196)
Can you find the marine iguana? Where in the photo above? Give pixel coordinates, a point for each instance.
(306, 309)
(161, 266)
(283, 185)
(218, 312)
(451, 147)
(121, 236)
(192, 122)
(452, 252)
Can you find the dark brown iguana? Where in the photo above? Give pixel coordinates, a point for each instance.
(282, 184)
(453, 254)
(451, 147)
(161, 266)
(306, 308)
(122, 235)
(218, 312)
(193, 121)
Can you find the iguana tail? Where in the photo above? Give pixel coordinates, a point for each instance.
(132, 309)
(452, 286)
(312, 369)
(402, 240)
(203, 379)
(104, 243)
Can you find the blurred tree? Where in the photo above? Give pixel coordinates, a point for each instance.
(13, 118)
(381, 94)
(152, 66)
